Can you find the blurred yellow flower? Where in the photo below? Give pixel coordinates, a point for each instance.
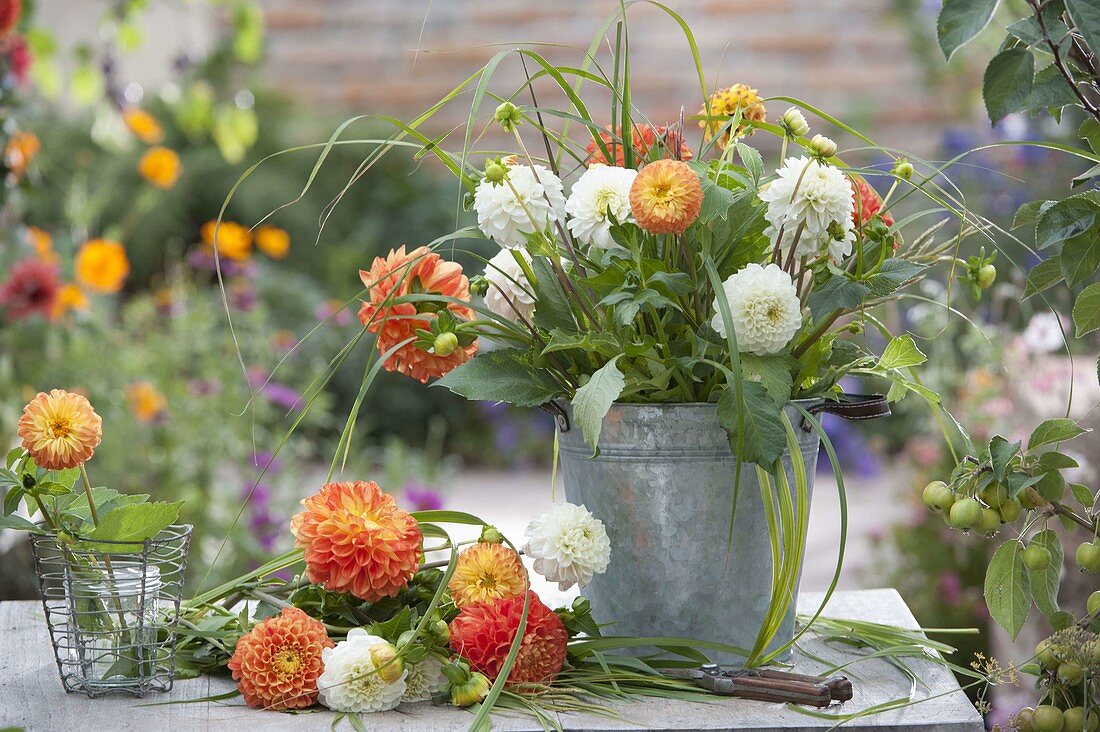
(42, 243)
(70, 298)
(146, 402)
(724, 103)
(144, 125)
(234, 240)
(102, 265)
(20, 151)
(160, 166)
(272, 241)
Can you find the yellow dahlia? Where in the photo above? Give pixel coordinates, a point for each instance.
(724, 104)
(102, 265)
(277, 663)
(160, 166)
(60, 429)
(486, 572)
(273, 241)
(144, 125)
(234, 240)
(666, 197)
(357, 540)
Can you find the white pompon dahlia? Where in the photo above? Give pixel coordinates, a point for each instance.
(602, 192)
(425, 679)
(816, 197)
(569, 545)
(508, 215)
(764, 306)
(353, 677)
(509, 294)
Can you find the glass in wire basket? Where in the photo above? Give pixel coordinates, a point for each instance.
(112, 608)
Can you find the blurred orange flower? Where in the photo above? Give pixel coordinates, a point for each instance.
(102, 265)
(486, 572)
(724, 104)
(272, 241)
(160, 166)
(60, 429)
(144, 125)
(277, 663)
(42, 243)
(357, 540)
(70, 298)
(234, 240)
(666, 197)
(424, 272)
(20, 151)
(146, 402)
(646, 137)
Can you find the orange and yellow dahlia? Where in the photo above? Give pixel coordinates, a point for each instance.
(724, 104)
(666, 197)
(420, 271)
(483, 634)
(102, 265)
(234, 240)
(60, 429)
(646, 137)
(487, 572)
(357, 540)
(277, 663)
(273, 241)
(160, 166)
(20, 151)
(144, 125)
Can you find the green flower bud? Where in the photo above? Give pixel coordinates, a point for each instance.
(445, 344)
(822, 147)
(794, 123)
(472, 691)
(495, 171)
(986, 276)
(902, 169)
(491, 535)
(390, 666)
(508, 116)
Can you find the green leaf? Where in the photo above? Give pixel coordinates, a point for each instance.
(552, 309)
(1054, 430)
(1086, 310)
(1089, 131)
(12, 498)
(961, 20)
(1085, 14)
(891, 275)
(1044, 275)
(901, 353)
(1001, 452)
(1007, 588)
(1050, 90)
(135, 522)
(839, 293)
(774, 372)
(501, 376)
(1030, 212)
(18, 523)
(1080, 258)
(1065, 220)
(1056, 461)
(594, 399)
(764, 437)
(1082, 495)
(1007, 82)
(1044, 582)
(13, 455)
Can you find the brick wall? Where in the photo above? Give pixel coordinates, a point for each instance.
(848, 56)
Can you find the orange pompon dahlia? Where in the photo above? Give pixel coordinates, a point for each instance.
(102, 265)
(276, 664)
(646, 137)
(724, 104)
(144, 125)
(60, 429)
(867, 203)
(666, 197)
(420, 271)
(160, 166)
(487, 572)
(357, 540)
(483, 634)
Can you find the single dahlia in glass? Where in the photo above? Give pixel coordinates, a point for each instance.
(356, 539)
(277, 663)
(666, 197)
(60, 429)
(486, 572)
(483, 634)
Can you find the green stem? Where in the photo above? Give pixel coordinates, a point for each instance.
(88, 493)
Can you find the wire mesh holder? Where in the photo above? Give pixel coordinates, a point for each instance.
(112, 608)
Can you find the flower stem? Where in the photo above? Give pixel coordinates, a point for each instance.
(88, 493)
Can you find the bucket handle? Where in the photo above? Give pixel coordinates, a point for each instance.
(851, 407)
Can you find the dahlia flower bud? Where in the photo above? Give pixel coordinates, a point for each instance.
(390, 666)
(495, 171)
(822, 147)
(445, 344)
(902, 168)
(794, 123)
(491, 535)
(467, 688)
(508, 116)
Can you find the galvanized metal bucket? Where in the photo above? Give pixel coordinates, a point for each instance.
(663, 485)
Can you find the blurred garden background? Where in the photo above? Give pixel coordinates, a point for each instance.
(125, 124)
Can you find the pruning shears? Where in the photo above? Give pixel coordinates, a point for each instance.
(768, 685)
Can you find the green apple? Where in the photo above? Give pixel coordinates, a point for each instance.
(1088, 557)
(965, 514)
(1047, 718)
(1036, 557)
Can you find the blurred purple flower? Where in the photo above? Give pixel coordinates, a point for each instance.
(204, 260)
(281, 395)
(334, 309)
(266, 461)
(422, 498)
(950, 587)
(203, 387)
(242, 296)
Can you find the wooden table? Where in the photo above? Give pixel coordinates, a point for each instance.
(31, 696)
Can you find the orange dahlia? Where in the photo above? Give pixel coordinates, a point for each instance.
(420, 271)
(357, 540)
(273, 241)
(483, 634)
(487, 572)
(868, 203)
(102, 265)
(60, 429)
(666, 197)
(276, 664)
(160, 166)
(724, 104)
(645, 138)
(234, 240)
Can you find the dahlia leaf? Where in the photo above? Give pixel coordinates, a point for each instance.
(501, 376)
(593, 400)
(763, 436)
(133, 523)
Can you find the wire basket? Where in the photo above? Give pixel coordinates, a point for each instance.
(112, 609)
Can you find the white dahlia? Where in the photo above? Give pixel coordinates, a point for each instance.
(602, 192)
(425, 679)
(353, 679)
(818, 198)
(508, 215)
(569, 545)
(509, 291)
(764, 307)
